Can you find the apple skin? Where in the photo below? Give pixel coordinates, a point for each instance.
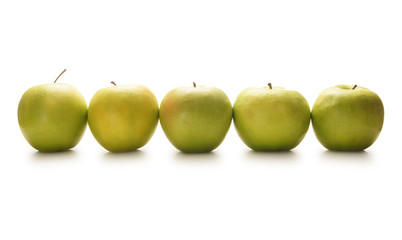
(195, 119)
(347, 119)
(123, 118)
(271, 119)
(52, 117)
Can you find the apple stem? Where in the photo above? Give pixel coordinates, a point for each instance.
(60, 75)
(354, 87)
(195, 85)
(112, 82)
(270, 85)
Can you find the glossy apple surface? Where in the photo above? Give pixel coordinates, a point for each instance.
(271, 118)
(123, 118)
(347, 118)
(52, 117)
(196, 119)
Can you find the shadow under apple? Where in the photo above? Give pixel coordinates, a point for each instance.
(207, 157)
(135, 155)
(362, 157)
(67, 155)
(271, 156)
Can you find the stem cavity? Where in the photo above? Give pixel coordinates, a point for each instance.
(60, 75)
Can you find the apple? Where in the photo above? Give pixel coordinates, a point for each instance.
(123, 118)
(347, 118)
(52, 117)
(195, 119)
(271, 118)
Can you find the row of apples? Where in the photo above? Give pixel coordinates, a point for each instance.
(53, 117)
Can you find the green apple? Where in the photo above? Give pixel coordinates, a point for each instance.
(347, 118)
(52, 117)
(123, 118)
(195, 119)
(271, 118)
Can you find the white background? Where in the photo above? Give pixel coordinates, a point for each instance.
(231, 193)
